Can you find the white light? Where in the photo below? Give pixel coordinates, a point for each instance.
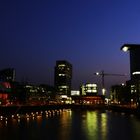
(61, 65)
(103, 91)
(64, 96)
(63, 87)
(125, 49)
(135, 73)
(91, 85)
(91, 90)
(62, 74)
(123, 84)
(75, 93)
(97, 73)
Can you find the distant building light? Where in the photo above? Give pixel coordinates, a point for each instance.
(135, 73)
(61, 65)
(63, 87)
(64, 96)
(91, 91)
(62, 74)
(103, 91)
(123, 84)
(97, 73)
(91, 85)
(28, 86)
(133, 86)
(75, 93)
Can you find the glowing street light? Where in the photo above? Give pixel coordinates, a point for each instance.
(125, 48)
(97, 73)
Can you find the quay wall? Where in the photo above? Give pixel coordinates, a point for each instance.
(11, 110)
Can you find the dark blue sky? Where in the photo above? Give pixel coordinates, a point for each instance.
(87, 33)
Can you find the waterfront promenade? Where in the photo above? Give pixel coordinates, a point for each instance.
(23, 109)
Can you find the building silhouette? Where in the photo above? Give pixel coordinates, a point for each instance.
(7, 78)
(7, 74)
(133, 85)
(63, 77)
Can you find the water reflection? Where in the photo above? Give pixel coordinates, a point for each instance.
(65, 125)
(91, 124)
(135, 127)
(71, 125)
(96, 125)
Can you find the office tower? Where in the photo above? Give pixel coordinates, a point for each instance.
(63, 77)
(134, 50)
(7, 75)
(134, 83)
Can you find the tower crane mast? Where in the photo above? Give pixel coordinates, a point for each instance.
(103, 74)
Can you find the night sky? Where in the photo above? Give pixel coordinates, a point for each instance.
(87, 33)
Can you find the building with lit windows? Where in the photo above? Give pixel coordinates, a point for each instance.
(120, 94)
(134, 83)
(89, 89)
(134, 50)
(63, 77)
(88, 95)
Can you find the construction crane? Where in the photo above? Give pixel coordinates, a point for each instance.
(103, 74)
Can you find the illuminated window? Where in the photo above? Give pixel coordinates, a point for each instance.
(91, 90)
(91, 85)
(61, 65)
(63, 86)
(62, 74)
(133, 89)
(73, 93)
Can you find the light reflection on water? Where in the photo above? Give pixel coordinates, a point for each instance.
(72, 125)
(95, 125)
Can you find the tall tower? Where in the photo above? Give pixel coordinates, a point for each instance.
(134, 50)
(63, 77)
(133, 85)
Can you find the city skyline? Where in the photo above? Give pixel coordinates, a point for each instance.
(88, 34)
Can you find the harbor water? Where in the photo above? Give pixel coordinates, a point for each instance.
(71, 125)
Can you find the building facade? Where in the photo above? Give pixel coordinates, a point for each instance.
(89, 89)
(63, 77)
(134, 50)
(7, 75)
(7, 78)
(134, 83)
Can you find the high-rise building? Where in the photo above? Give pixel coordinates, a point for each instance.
(134, 83)
(63, 77)
(7, 75)
(134, 50)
